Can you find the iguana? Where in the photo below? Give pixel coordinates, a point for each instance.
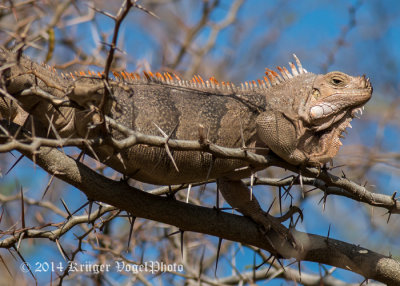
(297, 115)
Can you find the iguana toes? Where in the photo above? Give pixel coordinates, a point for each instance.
(297, 115)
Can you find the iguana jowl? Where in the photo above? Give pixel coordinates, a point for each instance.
(297, 115)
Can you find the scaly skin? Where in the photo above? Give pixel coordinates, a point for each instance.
(297, 115)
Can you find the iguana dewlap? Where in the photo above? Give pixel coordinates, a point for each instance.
(299, 116)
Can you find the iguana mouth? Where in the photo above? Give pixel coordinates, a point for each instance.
(336, 131)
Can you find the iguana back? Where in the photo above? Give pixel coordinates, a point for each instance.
(228, 118)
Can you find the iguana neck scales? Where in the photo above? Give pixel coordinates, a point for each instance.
(299, 116)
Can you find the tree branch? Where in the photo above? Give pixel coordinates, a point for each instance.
(209, 221)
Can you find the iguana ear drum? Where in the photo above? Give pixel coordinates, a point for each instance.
(316, 94)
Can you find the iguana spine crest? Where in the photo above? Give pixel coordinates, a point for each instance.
(270, 79)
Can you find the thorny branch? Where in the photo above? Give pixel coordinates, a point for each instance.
(61, 228)
(232, 227)
(328, 179)
(124, 10)
(327, 182)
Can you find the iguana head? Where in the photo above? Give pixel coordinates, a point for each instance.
(334, 96)
(307, 113)
(333, 101)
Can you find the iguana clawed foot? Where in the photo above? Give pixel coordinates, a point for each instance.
(271, 226)
(289, 214)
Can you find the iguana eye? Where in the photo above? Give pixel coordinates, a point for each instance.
(337, 81)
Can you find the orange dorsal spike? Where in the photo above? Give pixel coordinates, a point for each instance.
(286, 71)
(177, 77)
(124, 75)
(270, 77)
(72, 75)
(278, 77)
(151, 74)
(271, 72)
(159, 75)
(294, 70)
(146, 75)
(214, 80)
(201, 79)
(285, 74)
(167, 75)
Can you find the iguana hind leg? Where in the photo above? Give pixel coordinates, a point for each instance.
(237, 194)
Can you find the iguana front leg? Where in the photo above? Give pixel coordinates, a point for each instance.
(298, 147)
(238, 195)
(279, 134)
